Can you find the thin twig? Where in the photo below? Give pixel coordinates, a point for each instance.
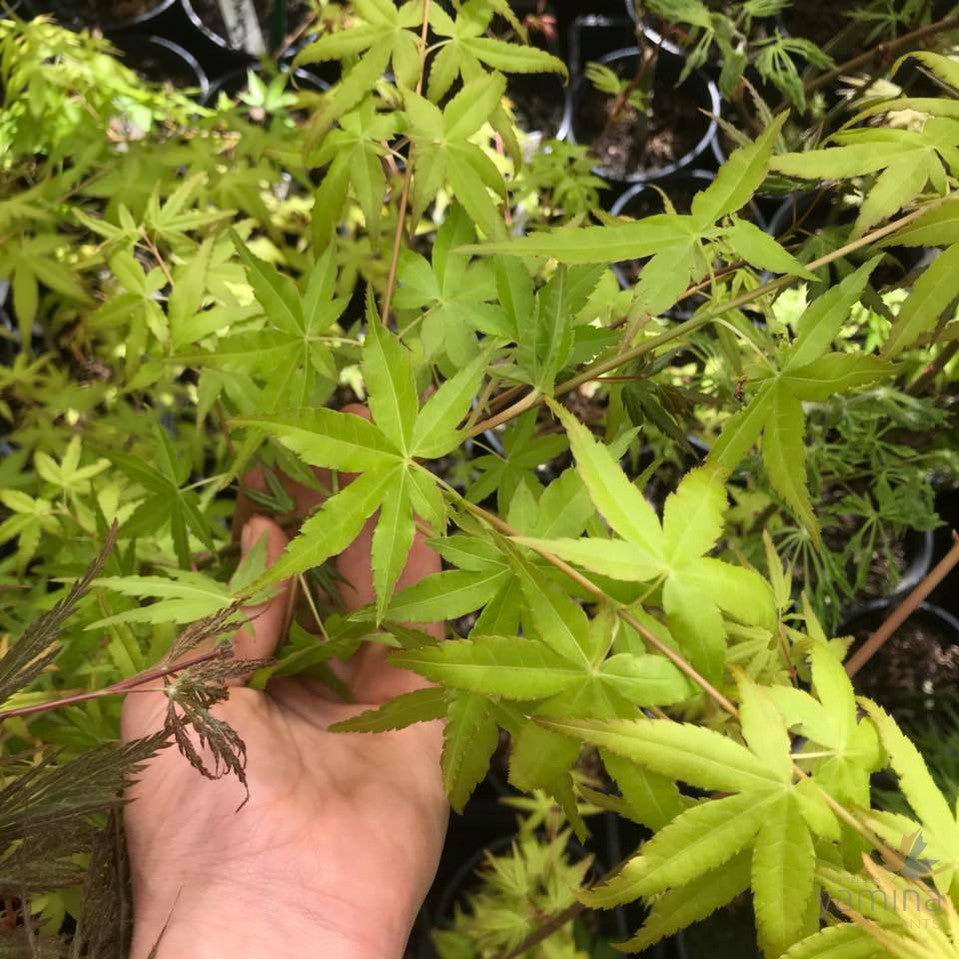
(883, 49)
(124, 686)
(407, 178)
(597, 369)
(905, 609)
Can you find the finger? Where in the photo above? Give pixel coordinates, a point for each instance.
(374, 679)
(261, 634)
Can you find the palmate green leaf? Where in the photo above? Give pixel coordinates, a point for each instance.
(392, 539)
(845, 941)
(469, 739)
(933, 291)
(503, 666)
(185, 598)
(388, 374)
(693, 754)
(334, 525)
(762, 251)
(782, 875)
(328, 438)
(695, 588)
(447, 595)
(466, 48)
(784, 454)
(775, 411)
(908, 159)
(598, 244)
(940, 830)
(832, 723)
(419, 706)
(165, 502)
(709, 834)
(738, 178)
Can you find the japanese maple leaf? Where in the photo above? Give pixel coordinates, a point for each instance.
(806, 372)
(832, 724)
(696, 589)
(763, 811)
(935, 820)
(383, 452)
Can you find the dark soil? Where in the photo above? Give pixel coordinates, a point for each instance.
(917, 666)
(211, 16)
(627, 145)
(95, 13)
(537, 105)
(823, 21)
(159, 64)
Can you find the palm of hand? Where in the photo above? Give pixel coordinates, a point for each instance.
(335, 848)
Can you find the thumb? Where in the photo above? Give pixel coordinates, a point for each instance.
(261, 634)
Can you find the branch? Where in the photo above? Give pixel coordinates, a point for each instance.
(118, 689)
(407, 178)
(883, 49)
(600, 367)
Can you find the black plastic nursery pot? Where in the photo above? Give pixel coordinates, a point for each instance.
(677, 130)
(107, 15)
(916, 671)
(163, 61)
(251, 27)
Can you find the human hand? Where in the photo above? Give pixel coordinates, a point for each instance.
(337, 846)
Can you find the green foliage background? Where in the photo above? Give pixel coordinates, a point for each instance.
(198, 290)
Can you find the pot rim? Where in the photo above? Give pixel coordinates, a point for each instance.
(697, 76)
(171, 46)
(216, 86)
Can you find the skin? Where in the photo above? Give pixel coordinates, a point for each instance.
(340, 839)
